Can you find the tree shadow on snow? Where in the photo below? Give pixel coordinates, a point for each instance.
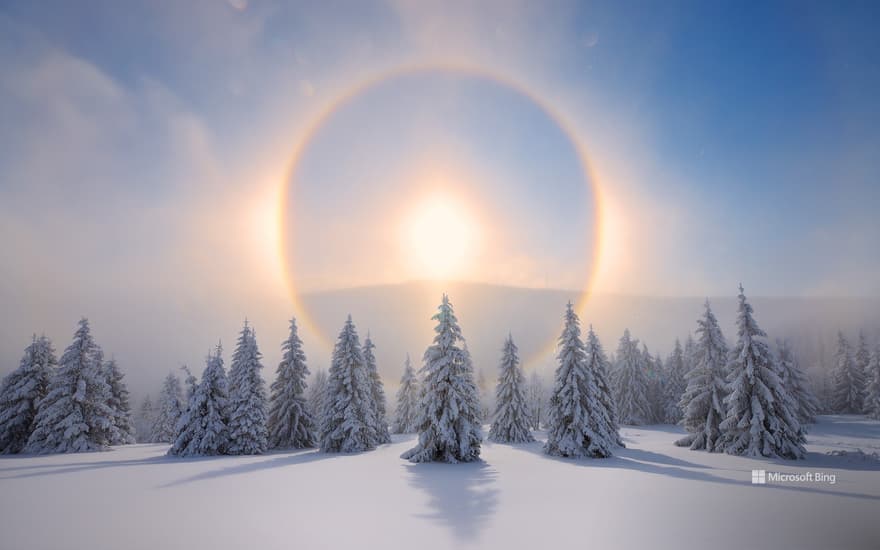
(844, 426)
(274, 459)
(658, 464)
(73, 467)
(462, 496)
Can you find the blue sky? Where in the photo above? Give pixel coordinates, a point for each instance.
(142, 145)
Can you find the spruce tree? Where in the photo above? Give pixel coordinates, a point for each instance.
(795, 383)
(315, 398)
(872, 392)
(761, 419)
(123, 424)
(74, 415)
(449, 422)
(377, 390)
(145, 418)
(653, 368)
(408, 393)
(598, 365)
(348, 424)
(203, 429)
(675, 385)
(190, 382)
(848, 380)
(574, 428)
(483, 388)
(536, 393)
(21, 393)
(290, 424)
(630, 383)
(702, 404)
(170, 407)
(247, 397)
(862, 359)
(511, 422)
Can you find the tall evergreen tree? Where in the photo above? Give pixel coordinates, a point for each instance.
(203, 430)
(702, 404)
(449, 422)
(575, 424)
(872, 392)
(536, 394)
(848, 380)
(761, 415)
(290, 424)
(145, 418)
(653, 368)
(315, 398)
(630, 383)
(486, 404)
(190, 382)
(171, 405)
(795, 383)
(247, 397)
(408, 394)
(862, 359)
(675, 385)
(74, 415)
(21, 393)
(598, 365)
(349, 421)
(511, 422)
(123, 432)
(377, 390)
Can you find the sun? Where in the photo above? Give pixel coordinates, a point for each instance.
(440, 238)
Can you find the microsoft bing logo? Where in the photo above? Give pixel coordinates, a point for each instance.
(759, 477)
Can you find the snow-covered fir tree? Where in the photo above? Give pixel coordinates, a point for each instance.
(761, 417)
(598, 365)
(315, 397)
(247, 397)
(872, 392)
(653, 368)
(511, 422)
(574, 427)
(144, 421)
(862, 359)
(675, 384)
(795, 382)
(190, 382)
(21, 392)
(290, 423)
(377, 390)
(449, 422)
(408, 394)
(690, 352)
(348, 424)
(486, 401)
(702, 404)
(630, 384)
(538, 400)
(169, 408)
(848, 380)
(123, 432)
(74, 415)
(203, 429)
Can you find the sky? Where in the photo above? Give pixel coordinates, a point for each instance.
(636, 148)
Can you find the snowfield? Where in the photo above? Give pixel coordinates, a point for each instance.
(652, 495)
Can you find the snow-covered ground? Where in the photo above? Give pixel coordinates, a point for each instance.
(651, 495)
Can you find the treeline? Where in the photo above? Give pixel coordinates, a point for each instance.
(744, 398)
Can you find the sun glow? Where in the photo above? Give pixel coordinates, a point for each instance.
(440, 239)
